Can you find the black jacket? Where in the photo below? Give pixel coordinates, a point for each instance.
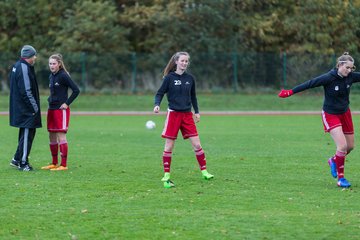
(59, 84)
(24, 105)
(336, 90)
(180, 91)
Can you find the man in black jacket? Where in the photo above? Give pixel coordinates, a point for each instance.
(24, 109)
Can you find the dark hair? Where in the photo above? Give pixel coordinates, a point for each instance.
(171, 66)
(345, 57)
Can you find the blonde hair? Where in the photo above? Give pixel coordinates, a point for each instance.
(171, 66)
(59, 58)
(344, 58)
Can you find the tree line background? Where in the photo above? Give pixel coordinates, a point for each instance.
(123, 45)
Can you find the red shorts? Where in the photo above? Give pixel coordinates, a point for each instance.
(58, 120)
(331, 121)
(176, 121)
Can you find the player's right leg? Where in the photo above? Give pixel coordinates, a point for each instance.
(170, 132)
(340, 155)
(167, 155)
(54, 150)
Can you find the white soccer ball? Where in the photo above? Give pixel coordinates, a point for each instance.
(150, 124)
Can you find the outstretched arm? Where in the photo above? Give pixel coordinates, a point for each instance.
(315, 82)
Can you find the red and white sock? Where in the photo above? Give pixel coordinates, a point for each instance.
(167, 161)
(63, 152)
(340, 163)
(54, 149)
(200, 156)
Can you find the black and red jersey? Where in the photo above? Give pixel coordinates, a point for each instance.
(336, 90)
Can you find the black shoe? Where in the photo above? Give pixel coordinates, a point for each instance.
(25, 168)
(14, 163)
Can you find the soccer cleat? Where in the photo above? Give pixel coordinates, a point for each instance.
(206, 175)
(14, 163)
(48, 167)
(166, 177)
(169, 184)
(343, 183)
(59, 168)
(332, 165)
(25, 168)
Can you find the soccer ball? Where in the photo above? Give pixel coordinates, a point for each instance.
(150, 124)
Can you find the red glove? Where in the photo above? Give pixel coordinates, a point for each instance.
(285, 93)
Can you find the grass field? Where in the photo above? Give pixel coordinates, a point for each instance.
(271, 181)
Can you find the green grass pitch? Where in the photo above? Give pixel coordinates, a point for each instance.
(271, 181)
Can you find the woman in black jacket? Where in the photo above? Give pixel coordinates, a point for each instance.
(58, 115)
(179, 86)
(336, 114)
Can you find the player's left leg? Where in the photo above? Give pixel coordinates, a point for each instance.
(189, 130)
(348, 133)
(348, 130)
(200, 157)
(63, 145)
(350, 146)
(341, 151)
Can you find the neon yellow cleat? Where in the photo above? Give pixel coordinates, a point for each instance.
(206, 175)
